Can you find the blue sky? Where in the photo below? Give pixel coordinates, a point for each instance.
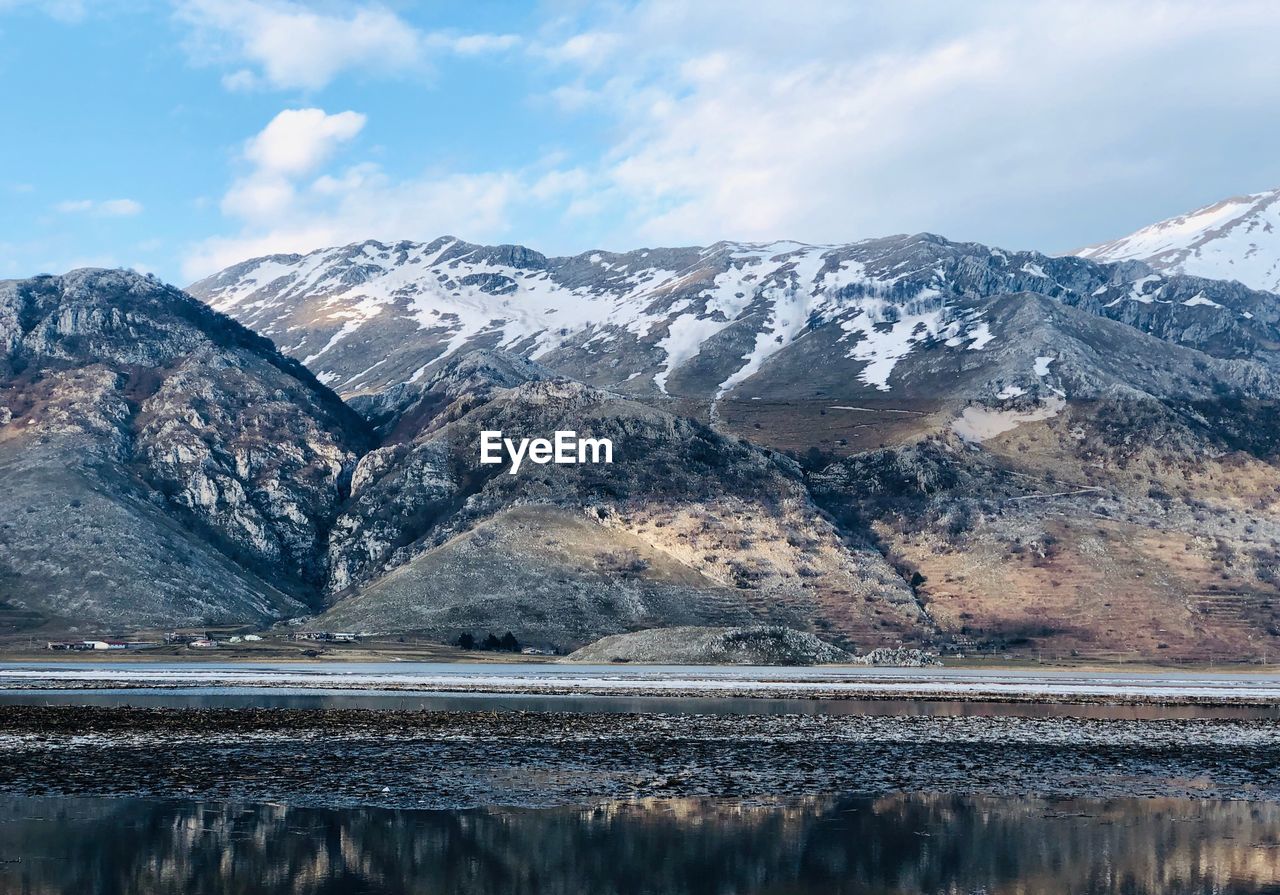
(179, 137)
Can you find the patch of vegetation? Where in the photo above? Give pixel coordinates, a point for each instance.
(507, 643)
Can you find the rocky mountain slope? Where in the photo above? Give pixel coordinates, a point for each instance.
(166, 466)
(900, 442)
(1055, 455)
(1235, 239)
(1100, 492)
(686, 525)
(161, 464)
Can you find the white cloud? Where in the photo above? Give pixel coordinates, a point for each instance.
(283, 205)
(240, 81)
(590, 48)
(298, 140)
(997, 120)
(476, 44)
(112, 208)
(294, 143)
(120, 207)
(364, 203)
(288, 45)
(258, 196)
(557, 183)
(295, 47)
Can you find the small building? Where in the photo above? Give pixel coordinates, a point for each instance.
(327, 636)
(203, 643)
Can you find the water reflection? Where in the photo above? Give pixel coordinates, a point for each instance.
(901, 844)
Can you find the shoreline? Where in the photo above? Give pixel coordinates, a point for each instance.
(821, 683)
(441, 654)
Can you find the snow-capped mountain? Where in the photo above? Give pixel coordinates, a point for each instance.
(903, 441)
(1235, 239)
(651, 312)
(746, 321)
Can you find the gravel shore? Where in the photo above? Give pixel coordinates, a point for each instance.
(461, 759)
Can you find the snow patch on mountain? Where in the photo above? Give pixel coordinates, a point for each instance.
(977, 423)
(889, 334)
(464, 293)
(1235, 239)
(371, 316)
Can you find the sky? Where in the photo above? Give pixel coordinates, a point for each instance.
(181, 136)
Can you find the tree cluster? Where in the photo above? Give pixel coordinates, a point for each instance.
(507, 643)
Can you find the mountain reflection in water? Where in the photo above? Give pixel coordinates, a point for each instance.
(902, 844)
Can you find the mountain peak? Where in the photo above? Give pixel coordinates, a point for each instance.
(1232, 239)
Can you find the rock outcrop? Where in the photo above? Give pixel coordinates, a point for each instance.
(712, 646)
(162, 464)
(686, 524)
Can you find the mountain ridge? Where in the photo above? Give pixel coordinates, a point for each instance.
(685, 322)
(1237, 238)
(879, 443)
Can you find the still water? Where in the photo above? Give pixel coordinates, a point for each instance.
(914, 843)
(312, 698)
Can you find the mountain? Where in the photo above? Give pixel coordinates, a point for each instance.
(162, 464)
(764, 340)
(711, 646)
(1235, 239)
(905, 442)
(1013, 452)
(685, 526)
(701, 323)
(165, 466)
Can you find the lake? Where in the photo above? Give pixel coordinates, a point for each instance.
(381, 778)
(912, 843)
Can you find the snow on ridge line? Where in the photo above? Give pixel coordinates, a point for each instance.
(1234, 239)
(790, 277)
(774, 291)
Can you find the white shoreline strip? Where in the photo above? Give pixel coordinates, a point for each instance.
(867, 682)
